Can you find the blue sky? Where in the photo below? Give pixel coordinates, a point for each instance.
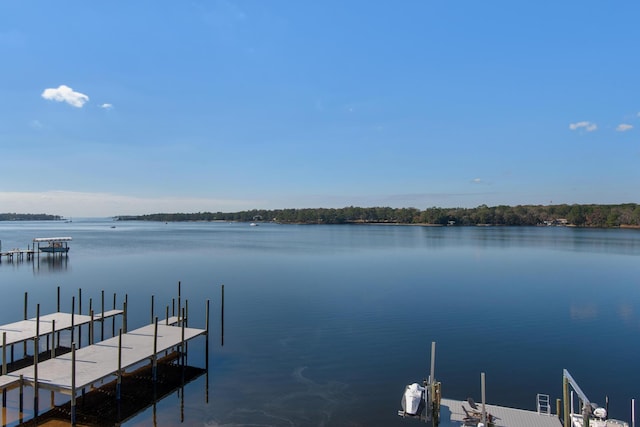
(139, 107)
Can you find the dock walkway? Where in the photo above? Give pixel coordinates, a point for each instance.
(25, 330)
(99, 361)
(452, 414)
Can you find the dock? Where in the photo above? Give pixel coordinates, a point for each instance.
(54, 245)
(452, 413)
(17, 254)
(88, 368)
(99, 361)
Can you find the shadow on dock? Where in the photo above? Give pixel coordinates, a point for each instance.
(99, 406)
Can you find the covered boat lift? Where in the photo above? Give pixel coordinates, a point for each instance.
(55, 245)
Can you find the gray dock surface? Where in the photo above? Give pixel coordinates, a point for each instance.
(452, 414)
(26, 329)
(98, 361)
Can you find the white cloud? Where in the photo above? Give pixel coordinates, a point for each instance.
(106, 106)
(64, 93)
(623, 127)
(588, 126)
(477, 181)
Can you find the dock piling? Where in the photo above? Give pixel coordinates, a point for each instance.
(113, 320)
(53, 338)
(222, 318)
(154, 368)
(73, 384)
(119, 373)
(36, 353)
(73, 309)
(24, 345)
(102, 317)
(152, 303)
(79, 312)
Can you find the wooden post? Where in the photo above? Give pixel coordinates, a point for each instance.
(21, 399)
(4, 370)
(124, 317)
(53, 339)
(80, 312)
(119, 373)
(58, 306)
(91, 328)
(559, 408)
(206, 320)
(36, 354)
(24, 344)
(4, 353)
(102, 322)
(182, 341)
(73, 384)
(222, 319)
(173, 307)
(166, 319)
(73, 309)
(152, 301)
(113, 319)
(179, 295)
(154, 368)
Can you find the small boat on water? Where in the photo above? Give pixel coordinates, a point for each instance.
(253, 224)
(54, 249)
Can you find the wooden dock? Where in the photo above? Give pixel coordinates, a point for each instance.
(18, 255)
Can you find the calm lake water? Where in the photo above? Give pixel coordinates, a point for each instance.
(325, 325)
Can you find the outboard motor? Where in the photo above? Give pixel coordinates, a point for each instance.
(413, 398)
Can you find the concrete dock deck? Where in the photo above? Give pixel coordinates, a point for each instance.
(99, 361)
(25, 330)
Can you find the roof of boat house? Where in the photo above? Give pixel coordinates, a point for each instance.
(52, 239)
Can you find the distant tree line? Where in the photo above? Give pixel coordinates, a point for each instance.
(28, 217)
(576, 215)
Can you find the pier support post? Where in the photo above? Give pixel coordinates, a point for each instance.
(53, 338)
(24, 345)
(80, 312)
(182, 348)
(206, 321)
(119, 373)
(113, 319)
(73, 384)
(91, 328)
(154, 367)
(483, 394)
(222, 318)
(21, 398)
(126, 315)
(4, 368)
(152, 302)
(4, 353)
(36, 353)
(102, 317)
(73, 309)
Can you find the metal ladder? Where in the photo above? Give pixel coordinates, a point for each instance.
(542, 403)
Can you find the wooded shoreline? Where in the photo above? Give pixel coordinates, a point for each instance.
(592, 215)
